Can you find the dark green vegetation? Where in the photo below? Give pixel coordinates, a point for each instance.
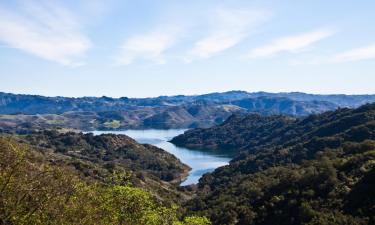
(21, 113)
(316, 170)
(237, 132)
(98, 156)
(39, 188)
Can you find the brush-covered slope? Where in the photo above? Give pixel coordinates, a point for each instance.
(317, 170)
(40, 187)
(112, 150)
(98, 156)
(248, 132)
(235, 133)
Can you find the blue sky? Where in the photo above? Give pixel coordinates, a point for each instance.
(149, 48)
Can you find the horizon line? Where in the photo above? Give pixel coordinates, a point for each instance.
(188, 95)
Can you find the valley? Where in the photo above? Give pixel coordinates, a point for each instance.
(262, 160)
(187, 112)
(200, 161)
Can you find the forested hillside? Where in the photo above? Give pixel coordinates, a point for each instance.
(40, 188)
(317, 170)
(235, 133)
(173, 112)
(98, 156)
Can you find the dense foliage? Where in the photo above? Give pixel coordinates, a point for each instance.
(317, 170)
(314, 170)
(112, 151)
(32, 191)
(97, 156)
(235, 133)
(335, 188)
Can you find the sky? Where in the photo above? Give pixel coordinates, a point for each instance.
(145, 48)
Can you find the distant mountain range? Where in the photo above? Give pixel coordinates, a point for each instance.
(88, 113)
(33, 104)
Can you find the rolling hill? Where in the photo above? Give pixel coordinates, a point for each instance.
(313, 170)
(19, 113)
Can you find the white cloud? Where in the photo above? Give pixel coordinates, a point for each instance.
(228, 28)
(356, 54)
(150, 46)
(291, 44)
(44, 29)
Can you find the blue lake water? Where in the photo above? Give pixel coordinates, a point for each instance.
(199, 160)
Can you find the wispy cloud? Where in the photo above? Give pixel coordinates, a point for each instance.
(150, 46)
(352, 55)
(44, 29)
(228, 28)
(290, 44)
(356, 54)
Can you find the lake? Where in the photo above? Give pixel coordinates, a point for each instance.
(199, 160)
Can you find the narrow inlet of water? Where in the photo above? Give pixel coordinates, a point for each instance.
(200, 161)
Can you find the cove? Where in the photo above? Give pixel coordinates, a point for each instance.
(200, 161)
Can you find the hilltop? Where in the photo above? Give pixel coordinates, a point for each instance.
(313, 170)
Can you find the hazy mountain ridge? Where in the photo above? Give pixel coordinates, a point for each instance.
(35, 104)
(283, 105)
(22, 112)
(181, 116)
